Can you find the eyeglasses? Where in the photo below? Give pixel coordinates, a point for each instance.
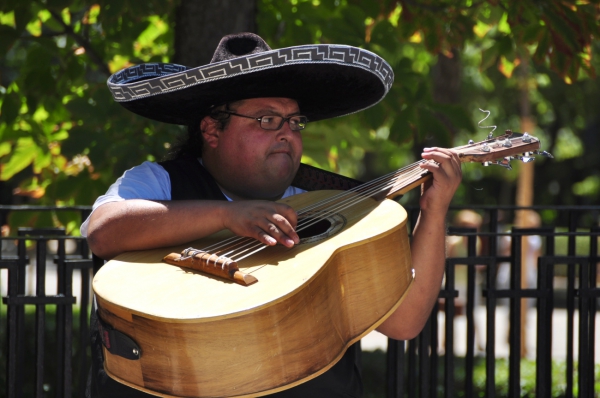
(274, 122)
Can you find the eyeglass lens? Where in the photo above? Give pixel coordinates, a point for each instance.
(275, 122)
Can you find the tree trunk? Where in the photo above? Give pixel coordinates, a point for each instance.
(524, 193)
(447, 75)
(200, 25)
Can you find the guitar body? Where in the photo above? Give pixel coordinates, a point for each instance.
(201, 336)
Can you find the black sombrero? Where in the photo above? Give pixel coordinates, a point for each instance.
(327, 80)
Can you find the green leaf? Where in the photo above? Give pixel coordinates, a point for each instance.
(384, 34)
(456, 114)
(489, 57)
(542, 48)
(71, 220)
(24, 154)
(369, 8)
(20, 219)
(58, 4)
(355, 17)
(5, 148)
(504, 44)
(374, 116)
(82, 188)
(401, 129)
(41, 161)
(431, 129)
(11, 105)
(23, 15)
(532, 33)
(432, 41)
(75, 68)
(565, 31)
(79, 139)
(8, 36)
(8, 5)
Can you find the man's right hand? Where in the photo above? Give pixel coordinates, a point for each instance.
(138, 224)
(267, 222)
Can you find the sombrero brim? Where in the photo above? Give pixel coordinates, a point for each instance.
(326, 80)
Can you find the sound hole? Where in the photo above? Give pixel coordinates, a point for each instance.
(313, 228)
(318, 228)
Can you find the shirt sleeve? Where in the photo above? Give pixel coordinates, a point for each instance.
(146, 181)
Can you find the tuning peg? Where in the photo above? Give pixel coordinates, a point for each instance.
(526, 137)
(526, 159)
(544, 153)
(504, 163)
(507, 143)
(471, 142)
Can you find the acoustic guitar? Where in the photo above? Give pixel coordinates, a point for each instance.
(270, 318)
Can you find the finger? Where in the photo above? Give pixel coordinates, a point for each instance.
(438, 154)
(271, 235)
(264, 237)
(286, 229)
(268, 233)
(444, 158)
(288, 212)
(276, 230)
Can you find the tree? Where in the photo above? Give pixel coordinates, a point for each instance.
(484, 44)
(64, 140)
(200, 25)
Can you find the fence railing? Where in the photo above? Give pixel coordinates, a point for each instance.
(46, 275)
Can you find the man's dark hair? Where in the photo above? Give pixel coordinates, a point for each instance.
(193, 143)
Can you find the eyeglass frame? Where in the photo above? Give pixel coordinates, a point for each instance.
(259, 119)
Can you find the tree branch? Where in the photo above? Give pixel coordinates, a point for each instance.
(89, 50)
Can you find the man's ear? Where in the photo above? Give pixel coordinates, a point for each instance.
(210, 131)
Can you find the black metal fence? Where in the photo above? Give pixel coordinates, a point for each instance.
(45, 336)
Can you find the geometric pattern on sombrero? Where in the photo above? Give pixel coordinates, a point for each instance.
(127, 85)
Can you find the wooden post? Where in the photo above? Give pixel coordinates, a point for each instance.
(524, 190)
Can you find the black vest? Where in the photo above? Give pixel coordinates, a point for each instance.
(189, 180)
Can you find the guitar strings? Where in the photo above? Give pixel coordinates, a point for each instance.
(363, 191)
(241, 245)
(223, 244)
(260, 246)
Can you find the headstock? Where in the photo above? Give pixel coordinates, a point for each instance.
(502, 149)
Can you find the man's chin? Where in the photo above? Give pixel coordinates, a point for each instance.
(275, 186)
(282, 169)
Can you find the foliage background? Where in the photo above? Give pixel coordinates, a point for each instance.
(64, 141)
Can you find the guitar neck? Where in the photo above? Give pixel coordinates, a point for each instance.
(497, 150)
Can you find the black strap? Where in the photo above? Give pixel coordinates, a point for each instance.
(189, 180)
(118, 343)
(311, 178)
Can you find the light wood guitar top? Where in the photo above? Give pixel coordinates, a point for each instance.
(145, 285)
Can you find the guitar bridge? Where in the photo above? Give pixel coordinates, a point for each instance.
(212, 264)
